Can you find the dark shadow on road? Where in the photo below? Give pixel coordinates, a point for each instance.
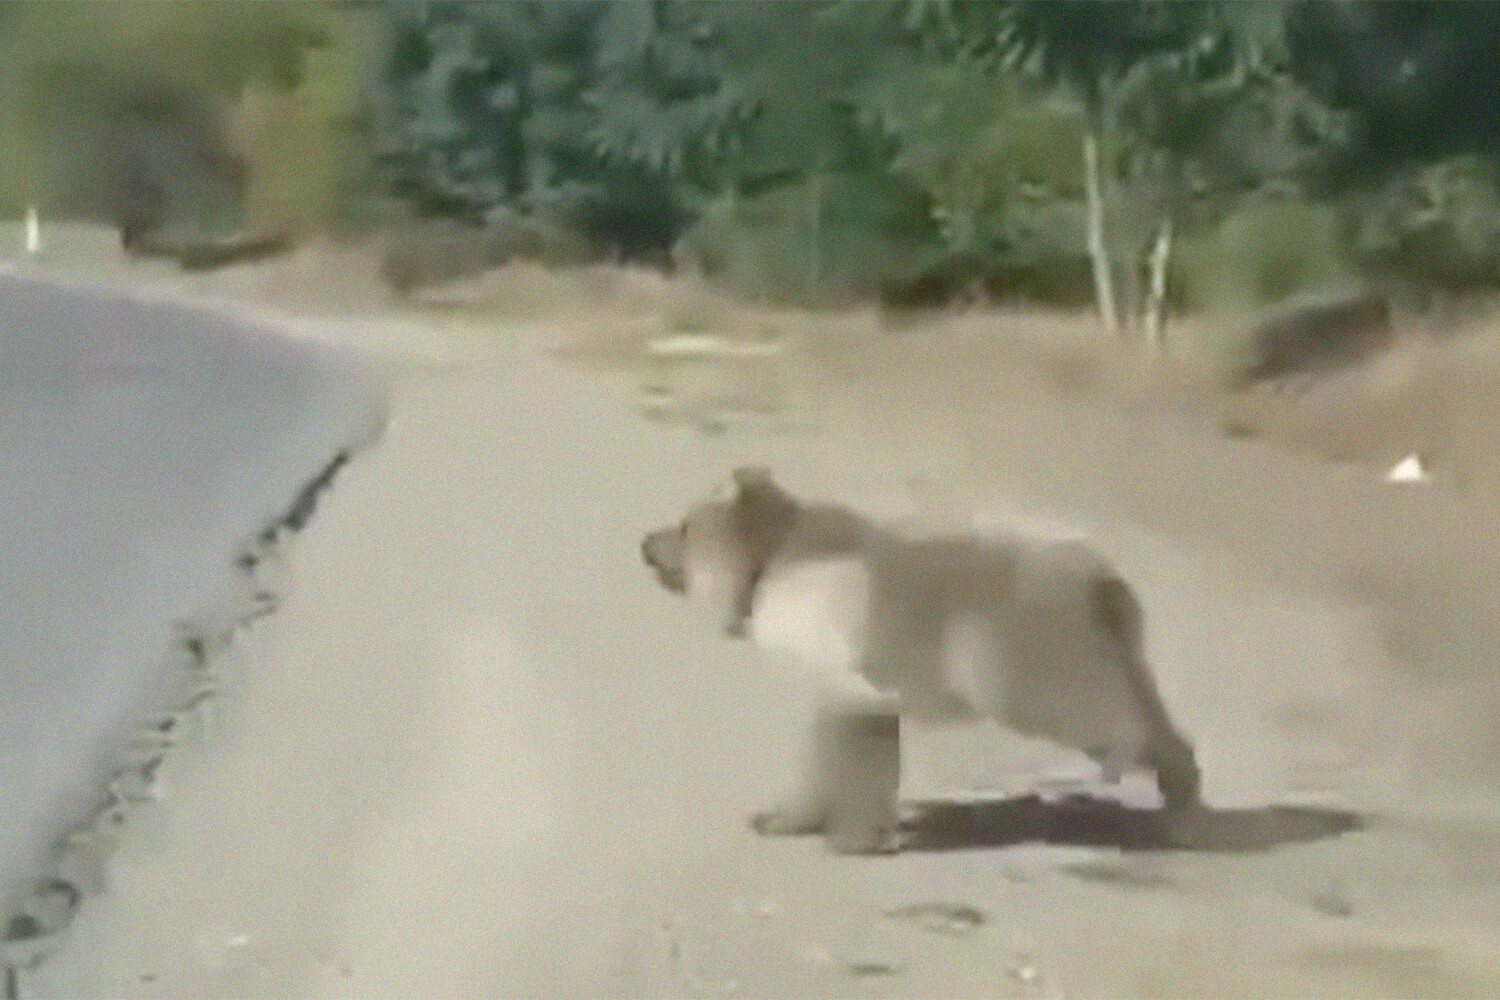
(1085, 821)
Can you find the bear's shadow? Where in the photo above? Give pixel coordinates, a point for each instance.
(1086, 821)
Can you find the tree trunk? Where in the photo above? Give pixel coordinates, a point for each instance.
(1156, 297)
(1104, 284)
(815, 194)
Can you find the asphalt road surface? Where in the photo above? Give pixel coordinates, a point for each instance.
(139, 445)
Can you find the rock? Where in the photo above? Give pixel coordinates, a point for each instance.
(436, 251)
(1408, 470)
(1314, 335)
(942, 918)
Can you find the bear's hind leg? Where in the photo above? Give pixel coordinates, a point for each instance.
(1177, 774)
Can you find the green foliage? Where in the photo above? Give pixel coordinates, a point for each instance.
(822, 147)
(307, 147)
(664, 100)
(1262, 252)
(214, 46)
(85, 84)
(1420, 79)
(835, 237)
(1440, 223)
(987, 150)
(500, 104)
(1091, 46)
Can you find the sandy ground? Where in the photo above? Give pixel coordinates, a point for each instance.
(478, 753)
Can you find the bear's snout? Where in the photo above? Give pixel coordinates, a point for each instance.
(662, 551)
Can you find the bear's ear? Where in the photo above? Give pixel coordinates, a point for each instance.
(750, 477)
(759, 501)
(754, 488)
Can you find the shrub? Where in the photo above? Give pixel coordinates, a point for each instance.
(835, 237)
(1261, 253)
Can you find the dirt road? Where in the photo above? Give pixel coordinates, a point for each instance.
(478, 753)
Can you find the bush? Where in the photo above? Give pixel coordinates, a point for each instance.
(435, 251)
(306, 149)
(1261, 253)
(835, 237)
(1438, 226)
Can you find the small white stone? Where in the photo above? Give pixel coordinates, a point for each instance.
(1408, 470)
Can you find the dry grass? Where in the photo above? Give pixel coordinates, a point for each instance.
(708, 357)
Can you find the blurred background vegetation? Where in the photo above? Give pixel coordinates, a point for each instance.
(921, 151)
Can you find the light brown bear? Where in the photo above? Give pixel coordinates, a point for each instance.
(1039, 635)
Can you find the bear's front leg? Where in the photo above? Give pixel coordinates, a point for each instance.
(849, 790)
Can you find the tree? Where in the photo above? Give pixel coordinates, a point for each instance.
(829, 120)
(499, 104)
(1148, 75)
(99, 90)
(1418, 78)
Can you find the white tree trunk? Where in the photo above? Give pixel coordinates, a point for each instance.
(33, 231)
(1104, 284)
(1154, 319)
